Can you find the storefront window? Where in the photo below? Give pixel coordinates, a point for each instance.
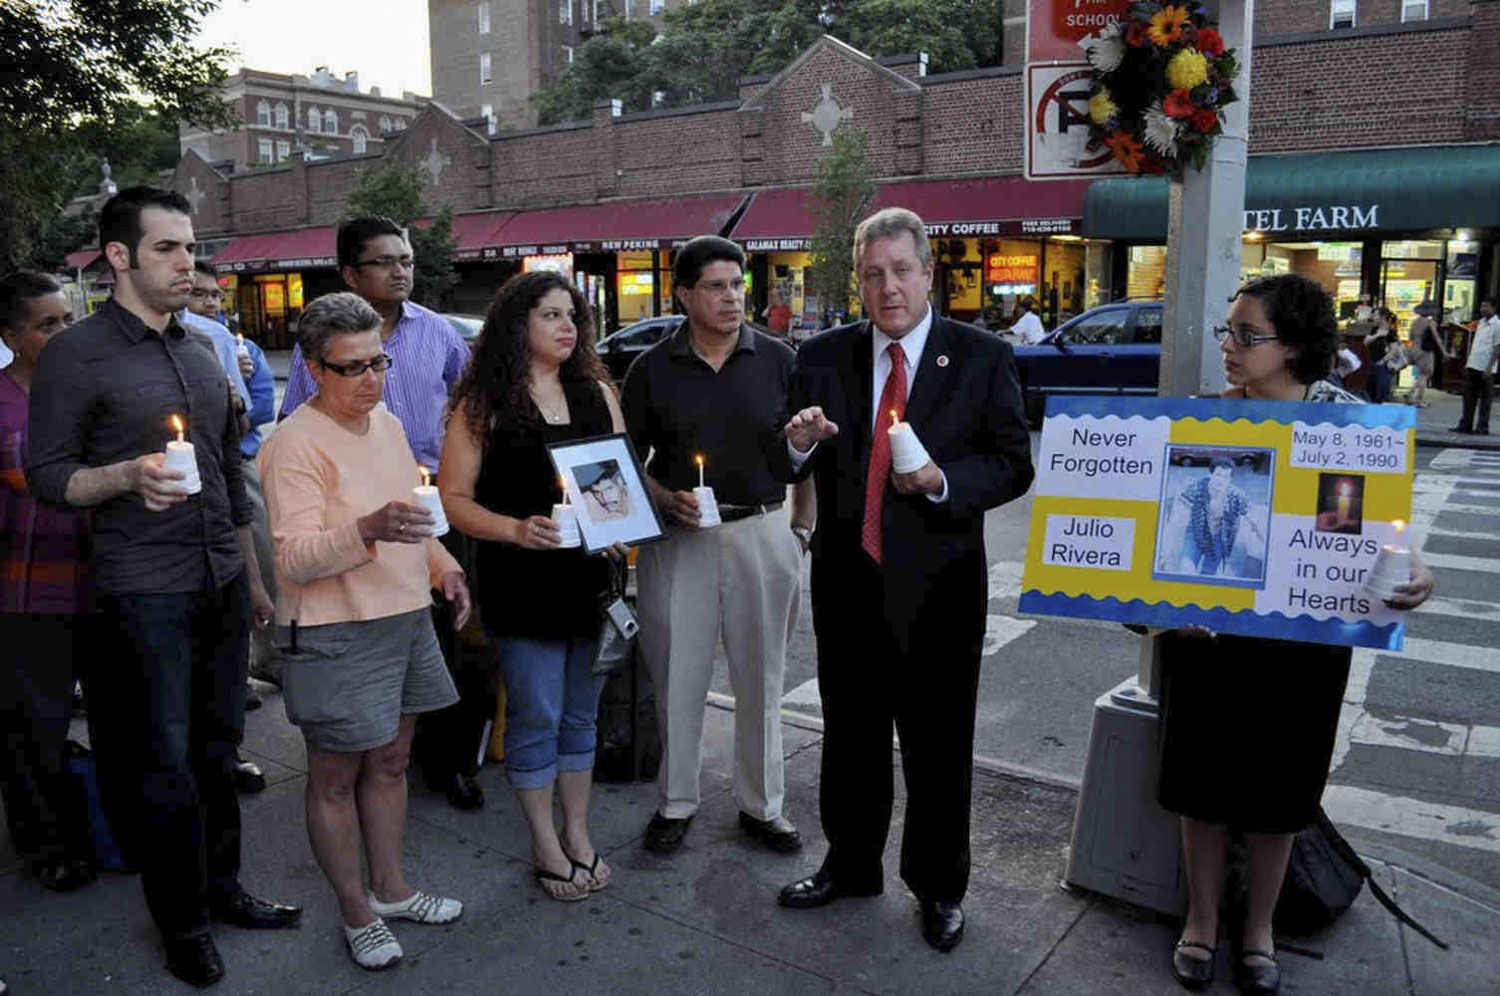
(1459, 287)
(1146, 276)
(1409, 277)
(786, 302)
(555, 264)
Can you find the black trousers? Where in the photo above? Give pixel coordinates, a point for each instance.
(166, 709)
(36, 704)
(1479, 390)
(919, 676)
(448, 741)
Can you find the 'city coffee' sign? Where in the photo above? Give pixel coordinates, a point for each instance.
(1328, 218)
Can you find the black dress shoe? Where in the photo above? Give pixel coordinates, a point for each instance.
(942, 924)
(1461, 430)
(1192, 973)
(777, 833)
(195, 960)
(248, 778)
(819, 889)
(245, 910)
(463, 792)
(664, 835)
(1257, 978)
(253, 701)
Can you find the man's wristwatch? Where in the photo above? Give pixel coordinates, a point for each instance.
(803, 534)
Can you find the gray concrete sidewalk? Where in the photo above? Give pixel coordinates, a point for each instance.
(704, 920)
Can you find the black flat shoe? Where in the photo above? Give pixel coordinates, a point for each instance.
(248, 778)
(818, 889)
(65, 875)
(1257, 978)
(777, 834)
(195, 960)
(1192, 973)
(245, 910)
(942, 924)
(664, 835)
(463, 792)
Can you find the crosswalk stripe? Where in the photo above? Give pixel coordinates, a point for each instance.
(1454, 562)
(1478, 611)
(1458, 825)
(1452, 654)
(1407, 733)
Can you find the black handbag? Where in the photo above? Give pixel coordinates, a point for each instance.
(1323, 878)
(617, 627)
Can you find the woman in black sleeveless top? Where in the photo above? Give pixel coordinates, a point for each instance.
(535, 379)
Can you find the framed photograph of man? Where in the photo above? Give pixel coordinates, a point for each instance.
(607, 488)
(1214, 520)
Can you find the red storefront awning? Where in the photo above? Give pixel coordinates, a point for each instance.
(779, 220)
(474, 233)
(82, 259)
(617, 226)
(302, 249)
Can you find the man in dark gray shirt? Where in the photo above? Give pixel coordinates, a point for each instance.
(167, 705)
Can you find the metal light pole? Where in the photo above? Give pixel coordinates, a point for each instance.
(1125, 845)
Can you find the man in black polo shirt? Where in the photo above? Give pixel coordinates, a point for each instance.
(716, 388)
(167, 700)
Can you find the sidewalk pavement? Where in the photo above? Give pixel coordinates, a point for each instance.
(704, 920)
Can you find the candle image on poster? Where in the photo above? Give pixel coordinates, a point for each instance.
(1255, 518)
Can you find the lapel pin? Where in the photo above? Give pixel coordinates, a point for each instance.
(942, 360)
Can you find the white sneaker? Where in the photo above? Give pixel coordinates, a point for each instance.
(423, 907)
(373, 946)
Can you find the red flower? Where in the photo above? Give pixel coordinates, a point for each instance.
(1178, 104)
(1204, 120)
(1127, 150)
(1135, 35)
(1209, 42)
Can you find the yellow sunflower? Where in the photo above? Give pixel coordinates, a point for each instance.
(1167, 24)
(1102, 108)
(1187, 69)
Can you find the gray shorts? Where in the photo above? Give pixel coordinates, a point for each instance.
(347, 685)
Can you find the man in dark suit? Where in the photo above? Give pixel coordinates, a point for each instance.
(899, 580)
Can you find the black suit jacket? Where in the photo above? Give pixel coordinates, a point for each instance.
(965, 405)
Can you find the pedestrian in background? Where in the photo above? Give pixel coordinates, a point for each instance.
(170, 569)
(1426, 346)
(1028, 329)
(899, 569)
(536, 380)
(716, 389)
(1379, 342)
(43, 594)
(356, 563)
(1479, 372)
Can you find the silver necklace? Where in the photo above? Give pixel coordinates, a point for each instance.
(552, 417)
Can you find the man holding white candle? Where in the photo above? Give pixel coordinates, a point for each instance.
(710, 399)
(899, 572)
(170, 571)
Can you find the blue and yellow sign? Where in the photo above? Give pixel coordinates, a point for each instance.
(1249, 517)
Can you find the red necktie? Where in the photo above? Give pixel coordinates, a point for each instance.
(892, 398)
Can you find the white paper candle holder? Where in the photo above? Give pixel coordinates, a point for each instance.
(708, 508)
(908, 455)
(181, 457)
(1392, 567)
(427, 496)
(566, 518)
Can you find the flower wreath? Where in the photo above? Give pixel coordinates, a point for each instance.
(1161, 79)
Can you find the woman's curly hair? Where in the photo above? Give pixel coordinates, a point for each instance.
(1301, 312)
(495, 386)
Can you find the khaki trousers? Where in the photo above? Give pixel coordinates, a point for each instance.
(737, 583)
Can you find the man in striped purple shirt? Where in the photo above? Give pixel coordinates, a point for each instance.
(376, 262)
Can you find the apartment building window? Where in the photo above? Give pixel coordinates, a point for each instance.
(330, 122)
(484, 17)
(360, 138)
(567, 51)
(314, 119)
(263, 114)
(385, 124)
(657, 6)
(595, 15)
(1342, 14)
(565, 11)
(283, 120)
(267, 150)
(485, 74)
(1414, 10)
(400, 124)
(283, 149)
(487, 111)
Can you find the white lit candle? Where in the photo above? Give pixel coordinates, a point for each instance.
(1344, 499)
(181, 457)
(708, 502)
(908, 455)
(426, 495)
(242, 349)
(1392, 565)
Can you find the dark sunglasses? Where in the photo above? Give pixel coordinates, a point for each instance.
(379, 364)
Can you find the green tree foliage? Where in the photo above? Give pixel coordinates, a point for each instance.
(80, 79)
(840, 194)
(707, 46)
(395, 191)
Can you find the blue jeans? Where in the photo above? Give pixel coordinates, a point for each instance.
(1380, 383)
(551, 701)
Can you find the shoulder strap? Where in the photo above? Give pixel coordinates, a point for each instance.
(1346, 852)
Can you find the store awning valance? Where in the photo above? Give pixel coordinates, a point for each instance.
(988, 207)
(477, 232)
(617, 226)
(83, 259)
(300, 249)
(1326, 194)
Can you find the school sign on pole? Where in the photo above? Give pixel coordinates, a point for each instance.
(1057, 88)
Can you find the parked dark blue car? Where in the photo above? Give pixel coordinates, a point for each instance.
(1113, 349)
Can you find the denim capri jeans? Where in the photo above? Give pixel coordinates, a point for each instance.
(551, 702)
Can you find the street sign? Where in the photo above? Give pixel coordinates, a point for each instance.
(1057, 125)
(1054, 28)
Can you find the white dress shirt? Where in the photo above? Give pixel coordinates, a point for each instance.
(1483, 348)
(1029, 329)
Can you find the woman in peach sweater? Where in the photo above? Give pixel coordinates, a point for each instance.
(356, 563)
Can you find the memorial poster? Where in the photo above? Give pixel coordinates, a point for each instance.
(1248, 517)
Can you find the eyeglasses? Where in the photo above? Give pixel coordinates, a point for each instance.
(215, 294)
(1243, 337)
(717, 287)
(388, 262)
(379, 364)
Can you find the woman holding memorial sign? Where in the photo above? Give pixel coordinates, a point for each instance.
(1234, 756)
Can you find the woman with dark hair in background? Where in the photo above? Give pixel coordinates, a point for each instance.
(42, 591)
(1223, 766)
(1379, 342)
(535, 379)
